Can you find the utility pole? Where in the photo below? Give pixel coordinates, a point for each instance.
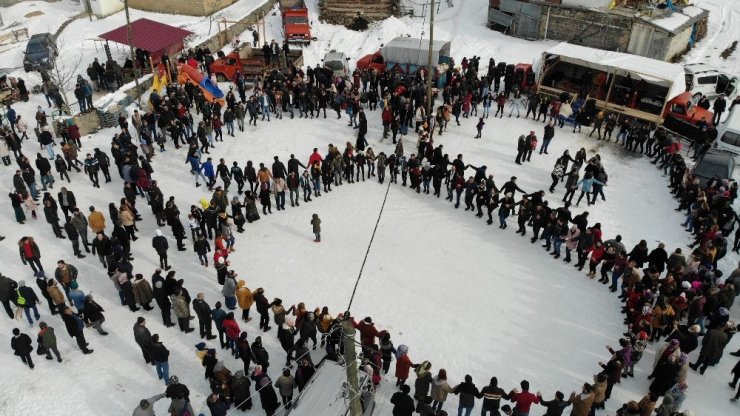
(133, 54)
(430, 69)
(350, 362)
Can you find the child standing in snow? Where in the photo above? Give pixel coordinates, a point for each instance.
(479, 126)
(316, 222)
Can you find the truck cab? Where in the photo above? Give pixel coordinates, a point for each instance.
(241, 60)
(702, 79)
(684, 107)
(296, 27)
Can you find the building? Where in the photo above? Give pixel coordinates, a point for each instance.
(342, 12)
(189, 7)
(631, 27)
(102, 8)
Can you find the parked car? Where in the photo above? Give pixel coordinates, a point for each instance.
(41, 52)
(702, 79)
(337, 62)
(728, 133)
(714, 164)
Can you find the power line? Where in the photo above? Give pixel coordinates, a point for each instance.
(370, 244)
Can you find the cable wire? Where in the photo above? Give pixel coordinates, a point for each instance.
(369, 246)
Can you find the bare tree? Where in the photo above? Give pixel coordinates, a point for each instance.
(65, 72)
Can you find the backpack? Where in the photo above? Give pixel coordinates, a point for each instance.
(20, 301)
(533, 143)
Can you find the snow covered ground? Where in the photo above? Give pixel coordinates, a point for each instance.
(466, 296)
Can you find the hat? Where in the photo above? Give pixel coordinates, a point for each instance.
(723, 311)
(674, 342)
(16, 331)
(221, 260)
(200, 346)
(74, 284)
(642, 335)
(158, 232)
(694, 329)
(686, 285)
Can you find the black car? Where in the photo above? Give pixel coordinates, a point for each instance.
(41, 51)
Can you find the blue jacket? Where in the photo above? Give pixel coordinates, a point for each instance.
(11, 115)
(194, 163)
(78, 299)
(588, 184)
(208, 170)
(218, 316)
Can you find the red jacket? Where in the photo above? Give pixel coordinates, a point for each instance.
(231, 328)
(524, 401)
(315, 157)
(367, 333)
(387, 115)
(403, 364)
(596, 254)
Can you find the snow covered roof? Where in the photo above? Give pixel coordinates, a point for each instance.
(652, 70)
(323, 394)
(414, 50)
(675, 21)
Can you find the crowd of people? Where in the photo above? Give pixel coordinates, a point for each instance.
(681, 298)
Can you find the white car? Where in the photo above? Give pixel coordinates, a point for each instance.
(703, 79)
(337, 62)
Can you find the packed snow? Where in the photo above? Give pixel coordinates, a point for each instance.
(466, 296)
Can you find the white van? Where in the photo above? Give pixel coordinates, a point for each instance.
(728, 133)
(703, 79)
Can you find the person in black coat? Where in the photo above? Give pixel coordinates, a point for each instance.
(203, 311)
(159, 355)
(74, 238)
(468, 393)
(94, 314)
(162, 297)
(67, 201)
(240, 391)
(218, 405)
(159, 242)
(403, 404)
(75, 328)
(261, 357)
(658, 258)
(22, 347)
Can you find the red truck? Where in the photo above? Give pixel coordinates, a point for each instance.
(295, 21)
(249, 62)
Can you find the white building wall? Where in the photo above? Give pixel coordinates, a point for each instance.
(102, 8)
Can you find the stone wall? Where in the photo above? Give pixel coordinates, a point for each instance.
(188, 7)
(586, 27)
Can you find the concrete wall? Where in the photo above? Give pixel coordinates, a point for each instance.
(188, 7)
(586, 27)
(103, 8)
(678, 45)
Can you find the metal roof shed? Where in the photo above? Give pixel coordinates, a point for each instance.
(415, 51)
(154, 37)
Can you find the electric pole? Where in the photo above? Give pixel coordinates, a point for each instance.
(350, 362)
(430, 70)
(133, 54)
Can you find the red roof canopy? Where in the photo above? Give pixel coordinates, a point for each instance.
(148, 35)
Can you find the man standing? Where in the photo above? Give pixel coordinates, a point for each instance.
(7, 289)
(21, 345)
(160, 355)
(48, 341)
(67, 201)
(96, 221)
(162, 297)
(75, 329)
(719, 107)
(143, 337)
(79, 222)
(159, 242)
(203, 311)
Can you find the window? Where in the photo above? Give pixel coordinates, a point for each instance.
(678, 109)
(732, 138)
(296, 20)
(707, 80)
